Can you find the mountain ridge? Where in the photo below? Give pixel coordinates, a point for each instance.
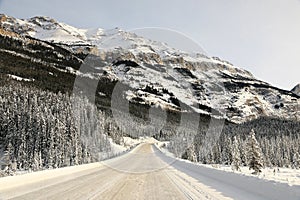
(296, 89)
(198, 81)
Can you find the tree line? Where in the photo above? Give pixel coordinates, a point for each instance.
(264, 142)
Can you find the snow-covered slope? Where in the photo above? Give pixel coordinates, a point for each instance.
(44, 28)
(160, 75)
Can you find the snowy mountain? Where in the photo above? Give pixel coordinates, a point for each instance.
(296, 90)
(155, 73)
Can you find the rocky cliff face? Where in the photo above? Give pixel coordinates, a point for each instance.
(156, 74)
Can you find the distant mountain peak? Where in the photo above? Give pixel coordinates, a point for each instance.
(296, 90)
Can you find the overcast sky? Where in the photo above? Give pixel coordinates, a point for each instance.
(260, 36)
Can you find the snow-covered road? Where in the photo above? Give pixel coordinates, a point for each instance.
(143, 173)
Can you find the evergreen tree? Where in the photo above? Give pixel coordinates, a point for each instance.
(226, 151)
(8, 159)
(296, 161)
(255, 160)
(236, 157)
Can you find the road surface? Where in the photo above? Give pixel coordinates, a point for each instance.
(144, 173)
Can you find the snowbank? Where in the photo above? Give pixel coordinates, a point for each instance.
(281, 175)
(29, 178)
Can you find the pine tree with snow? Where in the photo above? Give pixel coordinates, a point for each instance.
(255, 160)
(236, 156)
(190, 153)
(243, 152)
(8, 154)
(226, 151)
(296, 161)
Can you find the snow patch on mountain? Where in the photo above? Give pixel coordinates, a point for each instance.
(18, 78)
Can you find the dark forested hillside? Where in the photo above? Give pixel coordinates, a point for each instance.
(43, 62)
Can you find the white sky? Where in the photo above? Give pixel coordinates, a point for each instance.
(260, 36)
